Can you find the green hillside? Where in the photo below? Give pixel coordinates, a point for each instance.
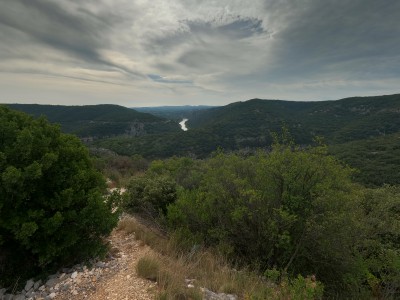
(362, 131)
(249, 125)
(337, 121)
(99, 121)
(352, 127)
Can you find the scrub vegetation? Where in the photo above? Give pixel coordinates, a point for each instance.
(285, 213)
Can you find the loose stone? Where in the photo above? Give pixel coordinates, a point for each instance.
(29, 284)
(73, 275)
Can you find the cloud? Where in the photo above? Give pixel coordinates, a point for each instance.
(159, 78)
(183, 51)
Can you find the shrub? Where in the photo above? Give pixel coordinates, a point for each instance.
(291, 208)
(52, 210)
(150, 195)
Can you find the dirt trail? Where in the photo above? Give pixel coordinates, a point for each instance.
(119, 281)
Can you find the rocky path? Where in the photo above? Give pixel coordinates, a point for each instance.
(113, 279)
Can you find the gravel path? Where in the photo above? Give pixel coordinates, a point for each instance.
(117, 278)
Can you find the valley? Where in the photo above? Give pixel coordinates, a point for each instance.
(281, 179)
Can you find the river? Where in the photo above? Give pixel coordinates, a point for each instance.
(183, 125)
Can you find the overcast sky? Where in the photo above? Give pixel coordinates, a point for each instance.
(159, 52)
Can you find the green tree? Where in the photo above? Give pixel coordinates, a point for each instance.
(52, 210)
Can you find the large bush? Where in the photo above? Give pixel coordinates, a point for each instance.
(51, 206)
(292, 209)
(150, 196)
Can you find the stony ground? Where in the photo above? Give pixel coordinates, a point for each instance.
(113, 279)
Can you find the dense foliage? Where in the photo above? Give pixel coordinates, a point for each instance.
(51, 206)
(377, 159)
(286, 212)
(118, 168)
(381, 249)
(150, 195)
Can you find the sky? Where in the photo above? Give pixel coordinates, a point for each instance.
(190, 52)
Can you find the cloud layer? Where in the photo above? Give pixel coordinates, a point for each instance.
(139, 53)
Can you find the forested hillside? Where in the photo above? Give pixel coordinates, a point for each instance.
(349, 126)
(98, 121)
(337, 121)
(361, 130)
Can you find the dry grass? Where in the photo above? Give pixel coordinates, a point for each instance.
(170, 267)
(149, 237)
(148, 267)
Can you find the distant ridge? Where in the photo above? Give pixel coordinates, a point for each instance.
(336, 120)
(97, 121)
(174, 112)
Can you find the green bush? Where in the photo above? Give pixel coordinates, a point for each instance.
(302, 288)
(150, 195)
(291, 208)
(52, 210)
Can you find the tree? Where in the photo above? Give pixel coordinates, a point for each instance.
(52, 210)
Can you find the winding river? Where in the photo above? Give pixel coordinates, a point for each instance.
(183, 125)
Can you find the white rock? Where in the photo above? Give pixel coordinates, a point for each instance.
(73, 275)
(29, 284)
(52, 295)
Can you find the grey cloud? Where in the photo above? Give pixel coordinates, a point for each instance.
(199, 31)
(78, 33)
(323, 34)
(203, 49)
(49, 23)
(240, 28)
